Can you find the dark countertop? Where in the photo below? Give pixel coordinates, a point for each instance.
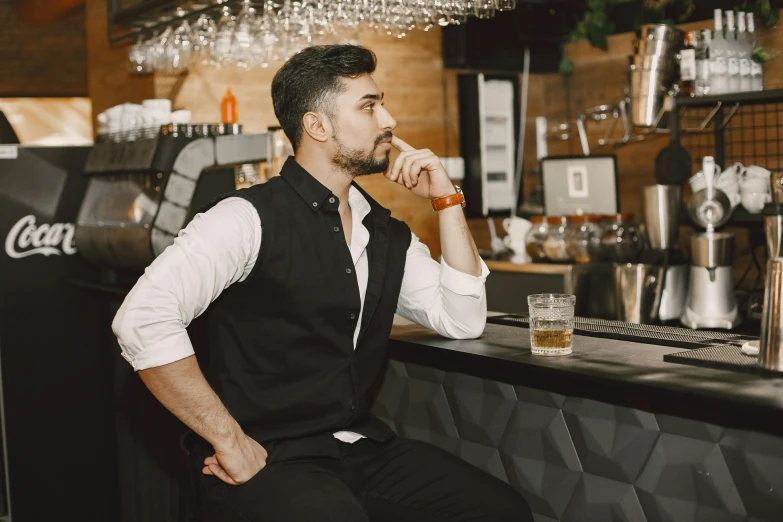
(617, 372)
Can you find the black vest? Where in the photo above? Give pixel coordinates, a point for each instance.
(280, 344)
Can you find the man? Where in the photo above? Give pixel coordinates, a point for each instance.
(302, 276)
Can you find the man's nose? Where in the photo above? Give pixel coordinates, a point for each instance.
(386, 121)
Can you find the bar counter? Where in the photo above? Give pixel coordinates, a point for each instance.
(611, 432)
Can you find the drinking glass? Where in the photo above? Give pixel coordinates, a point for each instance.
(551, 323)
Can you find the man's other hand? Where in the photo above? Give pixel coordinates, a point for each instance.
(237, 463)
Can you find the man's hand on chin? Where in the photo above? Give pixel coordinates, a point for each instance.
(420, 171)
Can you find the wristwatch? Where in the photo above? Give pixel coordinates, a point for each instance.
(449, 201)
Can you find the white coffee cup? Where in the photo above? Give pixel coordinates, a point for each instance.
(755, 201)
(754, 171)
(697, 181)
(729, 179)
(755, 186)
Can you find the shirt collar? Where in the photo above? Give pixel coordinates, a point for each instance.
(360, 207)
(309, 189)
(315, 194)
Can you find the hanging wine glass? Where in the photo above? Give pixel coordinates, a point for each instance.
(482, 9)
(224, 38)
(242, 43)
(158, 50)
(265, 41)
(178, 49)
(203, 39)
(422, 15)
(290, 23)
(457, 13)
(344, 14)
(505, 5)
(441, 15)
(402, 18)
(137, 58)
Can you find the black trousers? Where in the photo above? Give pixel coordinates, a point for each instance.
(400, 480)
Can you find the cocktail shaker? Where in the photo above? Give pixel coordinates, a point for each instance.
(770, 352)
(773, 227)
(662, 214)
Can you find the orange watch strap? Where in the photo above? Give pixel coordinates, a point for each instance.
(448, 201)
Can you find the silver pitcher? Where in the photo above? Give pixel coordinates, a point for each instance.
(638, 290)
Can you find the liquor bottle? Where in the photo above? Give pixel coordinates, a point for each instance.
(718, 68)
(703, 64)
(756, 72)
(732, 60)
(743, 53)
(688, 64)
(228, 108)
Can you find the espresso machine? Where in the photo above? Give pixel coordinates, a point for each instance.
(662, 223)
(710, 301)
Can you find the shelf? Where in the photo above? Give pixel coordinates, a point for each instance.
(743, 217)
(771, 95)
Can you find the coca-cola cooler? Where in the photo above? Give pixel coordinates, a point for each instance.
(86, 441)
(55, 368)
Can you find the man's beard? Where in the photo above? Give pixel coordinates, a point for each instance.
(356, 162)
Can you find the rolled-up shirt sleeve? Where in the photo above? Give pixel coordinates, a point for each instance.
(438, 297)
(217, 249)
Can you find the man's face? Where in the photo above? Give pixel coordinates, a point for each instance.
(362, 128)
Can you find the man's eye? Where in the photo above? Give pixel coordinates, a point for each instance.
(370, 106)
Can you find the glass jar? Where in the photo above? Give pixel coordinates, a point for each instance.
(583, 238)
(555, 242)
(621, 241)
(534, 243)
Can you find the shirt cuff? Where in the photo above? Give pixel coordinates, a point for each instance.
(461, 283)
(151, 358)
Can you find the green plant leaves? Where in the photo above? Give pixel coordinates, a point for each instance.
(759, 55)
(566, 67)
(763, 9)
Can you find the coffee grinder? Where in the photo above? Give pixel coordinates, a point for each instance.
(710, 301)
(662, 205)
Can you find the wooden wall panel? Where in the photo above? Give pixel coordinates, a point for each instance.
(108, 80)
(42, 60)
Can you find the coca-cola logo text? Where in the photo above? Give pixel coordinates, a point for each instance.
(26, 239)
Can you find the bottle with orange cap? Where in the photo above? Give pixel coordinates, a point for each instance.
(228, 108)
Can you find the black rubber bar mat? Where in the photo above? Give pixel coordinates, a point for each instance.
(721, 357)
(640, 333)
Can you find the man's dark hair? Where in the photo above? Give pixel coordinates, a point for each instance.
(311, 79)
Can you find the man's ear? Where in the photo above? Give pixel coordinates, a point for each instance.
(317, 126)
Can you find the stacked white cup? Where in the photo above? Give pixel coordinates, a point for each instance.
(747, 185)
(755, 188)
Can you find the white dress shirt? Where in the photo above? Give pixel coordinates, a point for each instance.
(221, 246)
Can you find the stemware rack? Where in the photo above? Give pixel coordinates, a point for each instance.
(130, 19)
